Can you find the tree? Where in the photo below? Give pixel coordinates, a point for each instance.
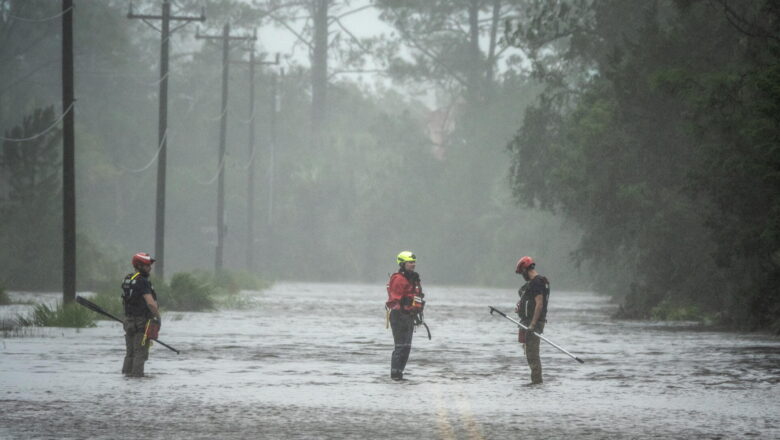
(31, 205)
(654, 133)
(451, 44)
(325, 37)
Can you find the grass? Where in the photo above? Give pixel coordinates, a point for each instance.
(202, 290)
(668, 311)
(186, 292)
(235, 302)
(68, 315)
(190, 292)
(109, 297)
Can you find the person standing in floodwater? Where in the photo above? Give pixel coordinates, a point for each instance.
(404, 301)
(141, 315)
(532, 309)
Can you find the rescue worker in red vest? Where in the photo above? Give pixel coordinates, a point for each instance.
(142, 315)
(532, 309)
(404, 301)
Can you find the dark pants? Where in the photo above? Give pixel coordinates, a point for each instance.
(532, 353)
(403, 329)
(136, 354)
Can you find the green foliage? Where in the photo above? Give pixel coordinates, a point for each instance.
(108, 295)
(234, 302)
(30, 211)
(68, 315)
(668, 311)
(667, 155)
(376, 183)
(186, 293)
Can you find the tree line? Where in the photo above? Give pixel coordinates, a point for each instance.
(634, 140)
(657, 132)
(335, 202)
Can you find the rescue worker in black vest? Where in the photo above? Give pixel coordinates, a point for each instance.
(404, 302)
(532, 309)
(142, 315)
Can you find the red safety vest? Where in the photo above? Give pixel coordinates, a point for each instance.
(401, 293)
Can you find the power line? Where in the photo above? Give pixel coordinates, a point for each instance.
(165, 18)
(36, 136)
(225, 38)
(40, 20)
(156, 154)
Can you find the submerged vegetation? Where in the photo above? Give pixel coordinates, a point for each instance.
(187, 292)
(61, 315)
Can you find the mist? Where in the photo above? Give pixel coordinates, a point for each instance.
(383, 171)
(471, 133)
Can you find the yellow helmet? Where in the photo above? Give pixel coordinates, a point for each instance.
(406, 257)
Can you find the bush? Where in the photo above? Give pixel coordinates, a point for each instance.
(109, 297)
(68, 315)
(186, 293)
(669, 311)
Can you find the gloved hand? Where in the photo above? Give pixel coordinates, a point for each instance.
(152, 328)
(157, 321)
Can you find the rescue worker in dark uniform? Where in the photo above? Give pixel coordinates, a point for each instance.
(532, 309)
(141, 310)
(404, 301)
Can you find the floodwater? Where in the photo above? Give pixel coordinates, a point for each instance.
(313, 361)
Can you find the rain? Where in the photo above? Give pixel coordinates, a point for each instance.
(280, 201)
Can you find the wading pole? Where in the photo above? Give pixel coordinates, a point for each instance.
(493, 309)
(96, 308)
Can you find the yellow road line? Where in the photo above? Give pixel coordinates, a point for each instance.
(464, 407)
(442, 419)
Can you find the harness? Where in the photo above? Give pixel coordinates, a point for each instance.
(133, 302)
(411, 303)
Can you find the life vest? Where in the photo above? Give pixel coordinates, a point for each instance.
(405, 295)
(527, 304)
(134, 287)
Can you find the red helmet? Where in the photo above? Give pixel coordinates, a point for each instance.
(142, 258)
(524, 264)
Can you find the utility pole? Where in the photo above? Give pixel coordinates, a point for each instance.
(319, 71)
(162, 128)
(68, 159)
(250, 193)
(226, 38)
(275, 108)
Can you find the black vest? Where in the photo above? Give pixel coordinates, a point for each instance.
(134, 287)
(537, 286)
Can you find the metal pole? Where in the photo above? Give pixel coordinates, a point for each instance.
(493, 309)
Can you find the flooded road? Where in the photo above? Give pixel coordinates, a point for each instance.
(313, 360)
